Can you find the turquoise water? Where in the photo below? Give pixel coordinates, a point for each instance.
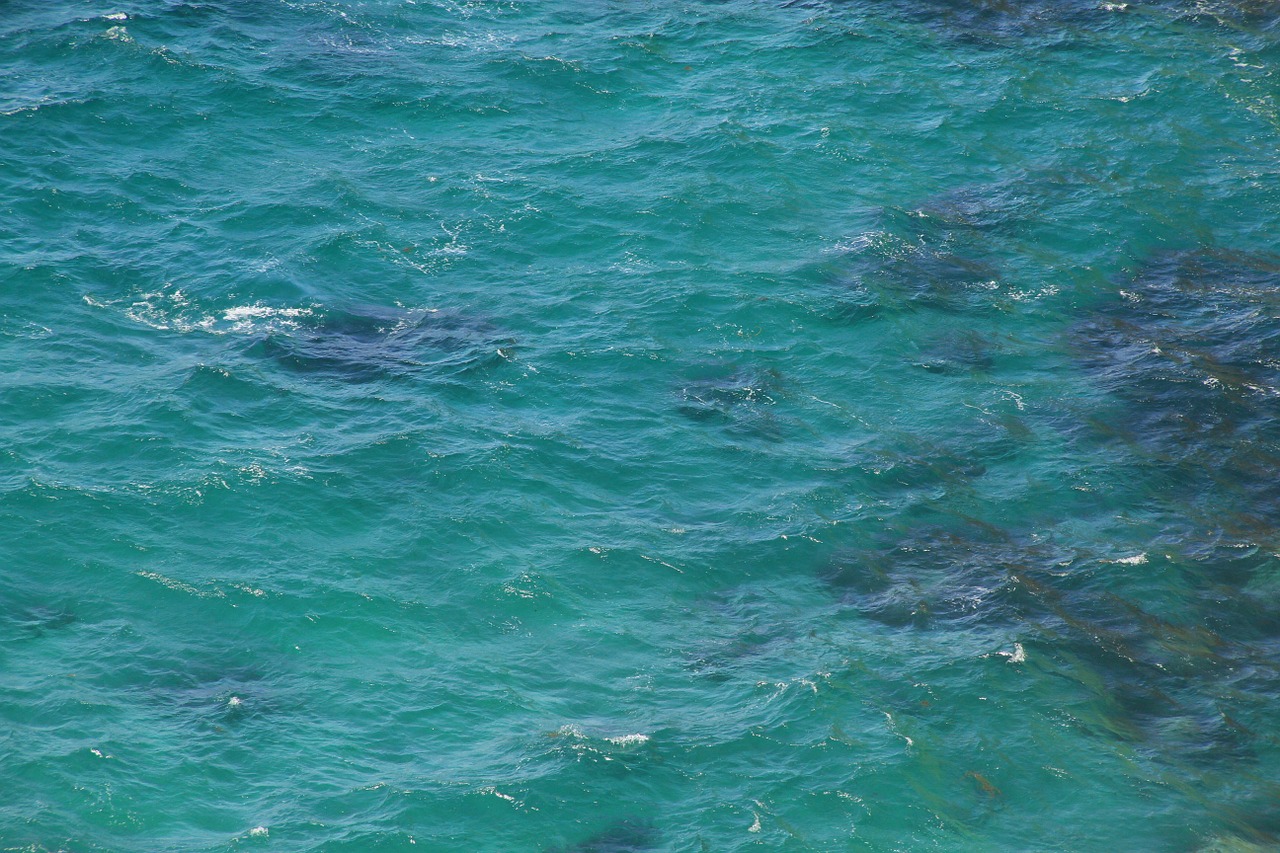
(640, 426)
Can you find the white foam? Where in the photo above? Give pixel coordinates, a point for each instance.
(629, 740)
(177, 585)
(27, 330)
(258, 317)
(162, 309)
(255, 312)
(860, 242)
(171, 309)
(662, 563)
(1135, 560)
(1018, 655)
(1017, 399)
(1028, 295)
(259, 832)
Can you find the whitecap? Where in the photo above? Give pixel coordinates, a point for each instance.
(1018, 655)
(258, 311)
(177, 585)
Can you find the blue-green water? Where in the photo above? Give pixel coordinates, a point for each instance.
(640, 426)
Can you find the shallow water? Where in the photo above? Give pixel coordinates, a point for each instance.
(638, 427)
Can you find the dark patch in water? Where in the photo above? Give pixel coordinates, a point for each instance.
(1203, 322)
(896, 272)
(204, 695)
(996, 208)
(1184, 676)
(751, 633)
(1255, 15)
(376, 343)
(959, 352)
(738, 399)
(913, 464)
(984, 21)
(624, 836)
(951, 251)
(993, 21)
(943, 253)
(925, 577)
(1000, 23)
(35, 621)
(936, 276)
(1190, 348)
(721, 662)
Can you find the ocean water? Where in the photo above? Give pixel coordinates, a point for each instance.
(499, 425)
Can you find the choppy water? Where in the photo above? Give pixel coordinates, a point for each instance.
(640, 426)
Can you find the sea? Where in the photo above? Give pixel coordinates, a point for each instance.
(623, 426)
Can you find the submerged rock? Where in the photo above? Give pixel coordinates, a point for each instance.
(999, 23)
(35, 621)
(624, 836)
(374, 343)
(993, 21)
(739, 399)
(947, 251)
(958, 353)
(900, 270)
(1188, 349)
(1180, 674)
(927, 577)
